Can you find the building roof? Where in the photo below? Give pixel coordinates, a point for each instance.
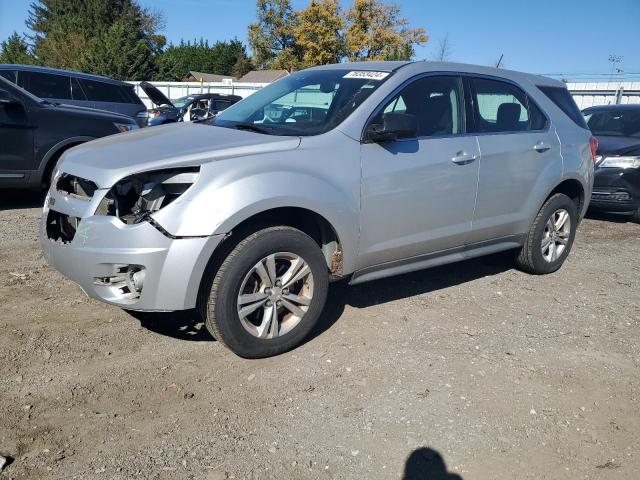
(207, 77)
(263, 76)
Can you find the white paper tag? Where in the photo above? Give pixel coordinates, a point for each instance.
(367, 75)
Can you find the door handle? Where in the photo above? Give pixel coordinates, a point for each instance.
(541, 147)
(463, 158)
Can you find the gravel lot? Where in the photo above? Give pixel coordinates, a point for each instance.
(473, 371)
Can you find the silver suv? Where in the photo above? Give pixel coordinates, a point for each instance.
(357, 171)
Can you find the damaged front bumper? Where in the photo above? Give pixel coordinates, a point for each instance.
(132, 266)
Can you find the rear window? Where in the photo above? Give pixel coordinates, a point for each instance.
(564, 101)
(614, 123)
(105, 92)
(47, 85)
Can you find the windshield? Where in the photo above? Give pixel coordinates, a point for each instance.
(181, 102)
(615, 123)
(309, 102)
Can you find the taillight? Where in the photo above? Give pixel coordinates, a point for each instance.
(593, 145)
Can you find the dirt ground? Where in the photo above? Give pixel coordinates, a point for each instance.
(474, 371)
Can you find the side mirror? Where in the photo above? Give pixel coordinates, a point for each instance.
(394, 126)
(6, 98)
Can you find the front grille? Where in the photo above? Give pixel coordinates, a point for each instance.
(611, 196)
(60, 227)
(76, 186)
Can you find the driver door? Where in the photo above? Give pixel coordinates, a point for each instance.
(16, 137)
(418, 194)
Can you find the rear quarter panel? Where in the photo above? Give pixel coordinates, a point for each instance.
(574, 145)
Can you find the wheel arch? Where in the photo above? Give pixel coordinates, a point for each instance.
(573, 189)
(54, 153)
(304, 219)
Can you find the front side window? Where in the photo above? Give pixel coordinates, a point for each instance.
(309, 102)
(219, 105)
(614, 122)
(47, 85)
(436, 102)
(10, 75)
(502, 107)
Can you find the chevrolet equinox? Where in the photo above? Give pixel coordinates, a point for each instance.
(358, 171)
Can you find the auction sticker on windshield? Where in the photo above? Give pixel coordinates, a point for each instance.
(367, 75)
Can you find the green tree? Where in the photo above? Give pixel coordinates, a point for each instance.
(272, 38)
(15, 50)
(318, 33)
(224, 58)
(377, 31)
(117, 38)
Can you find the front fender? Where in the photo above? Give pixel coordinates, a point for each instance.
(220, 200)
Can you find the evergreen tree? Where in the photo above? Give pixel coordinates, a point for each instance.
(15, 50)
(224, 58)
(116, 38)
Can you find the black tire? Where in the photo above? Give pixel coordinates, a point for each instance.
(636, 216)
(530, 258)
(222, 287)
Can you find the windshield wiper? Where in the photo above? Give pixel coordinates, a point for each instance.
(252, 127)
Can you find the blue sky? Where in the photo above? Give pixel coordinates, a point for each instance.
(539, 36)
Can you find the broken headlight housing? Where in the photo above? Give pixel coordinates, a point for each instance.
(137, 196)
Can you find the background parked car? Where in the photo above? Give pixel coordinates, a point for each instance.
(35, 132)
(76, 88)
(190, 108)
(616, 185)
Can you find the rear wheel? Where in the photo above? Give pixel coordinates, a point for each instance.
(636, 216)
(268, 293)
(550, 237)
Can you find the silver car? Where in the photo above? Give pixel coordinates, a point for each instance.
(358, 171)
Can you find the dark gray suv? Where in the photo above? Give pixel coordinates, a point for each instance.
(76, 88)
(35, 132)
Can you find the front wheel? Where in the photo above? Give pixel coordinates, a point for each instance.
(550, 237)
(268, 293)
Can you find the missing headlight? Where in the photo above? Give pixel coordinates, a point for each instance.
(134, 198)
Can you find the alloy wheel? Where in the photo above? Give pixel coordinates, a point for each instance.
(556, 235)
(275, 295)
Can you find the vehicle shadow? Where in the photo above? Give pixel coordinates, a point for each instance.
(21, 199)
(188, 325)
(608, 217)
(427, 464)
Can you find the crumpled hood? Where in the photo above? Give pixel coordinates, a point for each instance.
(108, 159)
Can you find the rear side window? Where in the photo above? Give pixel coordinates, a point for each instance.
(47, 85)
(503, 107)
(564, 101)
(104, 92)
(10, 75)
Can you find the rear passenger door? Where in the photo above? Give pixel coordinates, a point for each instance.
(520, 158)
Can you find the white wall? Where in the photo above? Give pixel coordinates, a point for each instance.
(587, 94)
(175, 90)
